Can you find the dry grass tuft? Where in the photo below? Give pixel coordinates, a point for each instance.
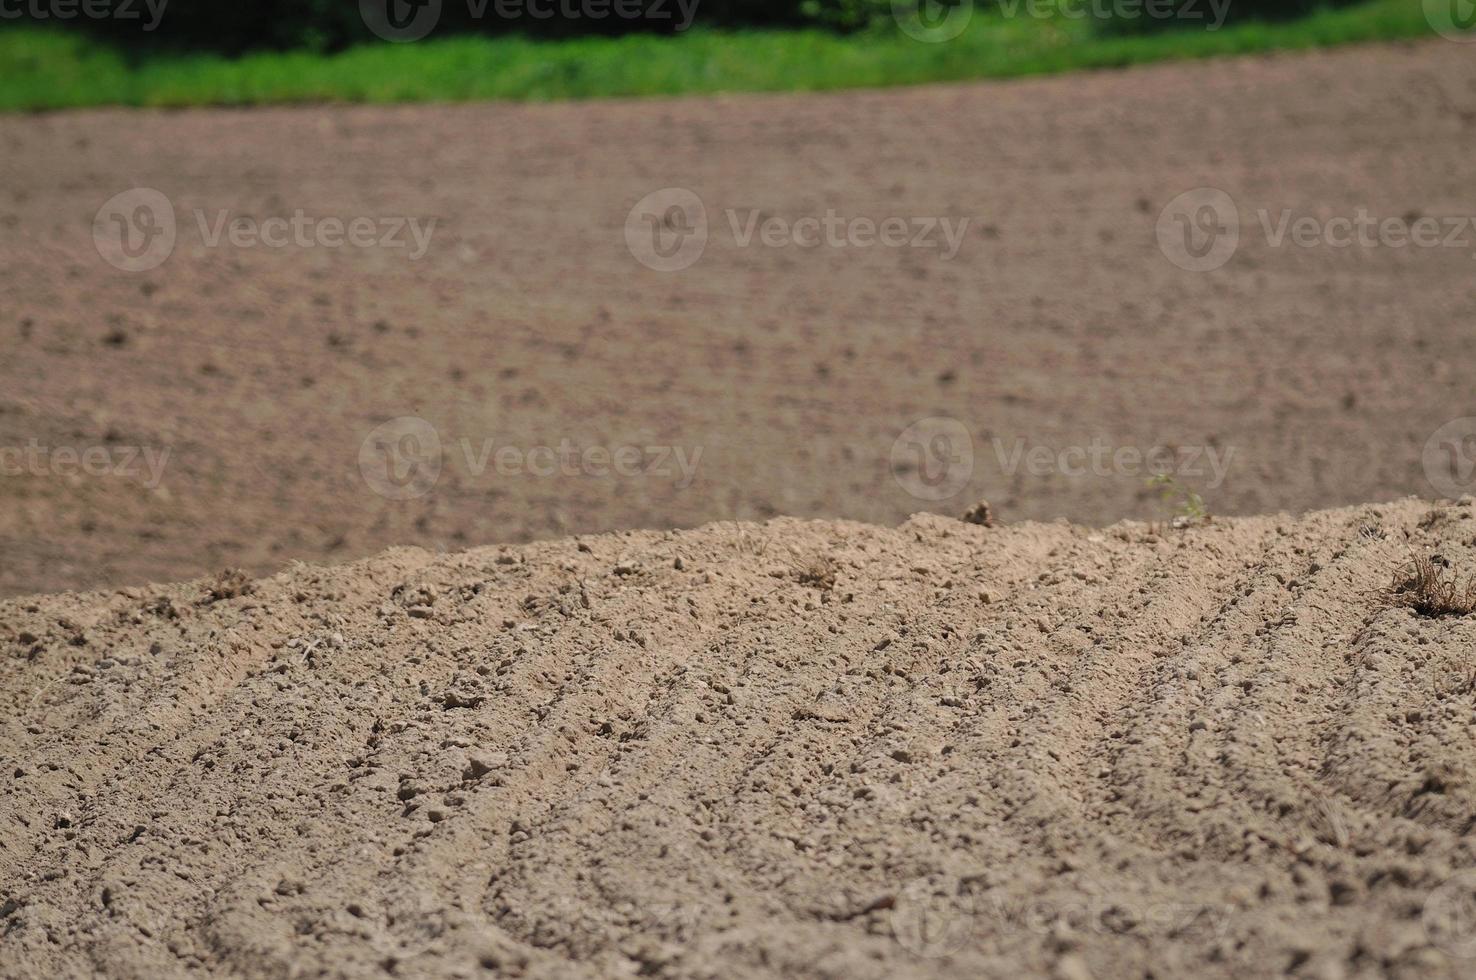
(749, 545)
(1464, 685)
(817, 572)
(1426, 589)
(229, 584)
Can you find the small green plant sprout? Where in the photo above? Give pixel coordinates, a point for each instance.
(1187, 504)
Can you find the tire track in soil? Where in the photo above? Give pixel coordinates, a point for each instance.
(664, 753)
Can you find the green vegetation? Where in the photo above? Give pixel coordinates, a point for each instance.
(1187, 504)
(48, 69)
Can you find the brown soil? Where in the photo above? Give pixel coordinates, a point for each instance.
(938, 747)
(963, 752)
(793, 370)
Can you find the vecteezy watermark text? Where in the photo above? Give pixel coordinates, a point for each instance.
(43, 10)
(935, 459)
(1210, 14)
(1100, 458)
(404, 458)
(144, 464)
(835, 231)
(936, 21)
(668, 230)
(410, 20)
(138, 230)
(306, 231)
(1366, 231)
(1201, 230)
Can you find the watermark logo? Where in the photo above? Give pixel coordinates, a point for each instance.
(933, 458)
(138, 230)
(929, 924)
(1453, 19)
(401, 459)
(1450, 458)
(135, 231)
(88, 9)
(1199, 230)
(1449, 916)
(400, 21)
(667, 229)
(406, 457)
(936, 458)
(932, 21)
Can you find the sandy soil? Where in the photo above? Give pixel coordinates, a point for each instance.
(792, 370)
(797, 749)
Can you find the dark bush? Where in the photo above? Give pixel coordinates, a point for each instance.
(235, 26)
(1132, 16)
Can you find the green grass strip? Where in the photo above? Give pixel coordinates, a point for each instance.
(47, 69)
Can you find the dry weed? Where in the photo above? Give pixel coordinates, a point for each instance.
(817, 571)
(1427, 590)
(748, 544)
(229, 584)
